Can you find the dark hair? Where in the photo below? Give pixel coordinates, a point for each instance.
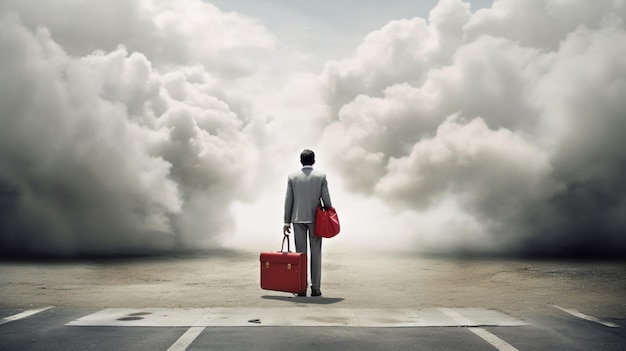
(307, 157)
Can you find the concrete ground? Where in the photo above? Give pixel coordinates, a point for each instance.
(212, 300)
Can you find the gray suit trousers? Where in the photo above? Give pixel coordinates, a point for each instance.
(301, 231)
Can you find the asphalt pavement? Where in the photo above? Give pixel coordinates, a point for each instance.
(305, 328)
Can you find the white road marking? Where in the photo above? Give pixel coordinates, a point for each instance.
(23, 315)
(186, 339)
(586, 317)
(296, 317)
(495, 341)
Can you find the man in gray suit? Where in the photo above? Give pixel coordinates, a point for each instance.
(305, 189)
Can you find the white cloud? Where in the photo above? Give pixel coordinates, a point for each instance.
(189, 32)
(102, 153)
(131, 126)
(403, 51)
(534, 142)
(541, 24)
(469, 159)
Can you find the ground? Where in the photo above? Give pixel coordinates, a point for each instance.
(224, 278)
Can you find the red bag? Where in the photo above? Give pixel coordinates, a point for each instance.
(284, 270)
(326, 222)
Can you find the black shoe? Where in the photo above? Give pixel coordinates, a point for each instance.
(301, 294)
(316, 292)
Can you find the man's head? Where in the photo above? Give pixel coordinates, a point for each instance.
(307, 157)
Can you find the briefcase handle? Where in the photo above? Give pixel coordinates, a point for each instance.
(282, 247)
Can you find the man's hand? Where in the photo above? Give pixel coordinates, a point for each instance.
(286, 229)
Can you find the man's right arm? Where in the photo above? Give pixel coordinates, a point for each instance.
(325, 194)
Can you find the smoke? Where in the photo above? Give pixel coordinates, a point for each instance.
(103, 152)
(153, 125)
(509, 121)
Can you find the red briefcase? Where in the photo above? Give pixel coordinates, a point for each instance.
(284, 271)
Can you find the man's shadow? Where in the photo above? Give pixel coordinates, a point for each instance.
(318, 300)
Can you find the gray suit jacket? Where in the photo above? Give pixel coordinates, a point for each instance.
(305, 188)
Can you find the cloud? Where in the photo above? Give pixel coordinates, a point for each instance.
(402, 51)
(143, 126)
(103, 153)
(509, 118)
(183, 33)
(540, 24)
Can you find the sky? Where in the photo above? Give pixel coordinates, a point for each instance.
(330, 30)
(480, 127)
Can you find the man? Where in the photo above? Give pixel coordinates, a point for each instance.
(305, 189)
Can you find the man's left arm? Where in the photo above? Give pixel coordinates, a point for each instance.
(288, 208)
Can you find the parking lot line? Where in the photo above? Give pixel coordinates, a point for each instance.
(480, 332)
(186, 339)
(586, 317)
(493, 340)
(23, 315)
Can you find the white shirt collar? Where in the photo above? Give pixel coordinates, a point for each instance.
(307, 166)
